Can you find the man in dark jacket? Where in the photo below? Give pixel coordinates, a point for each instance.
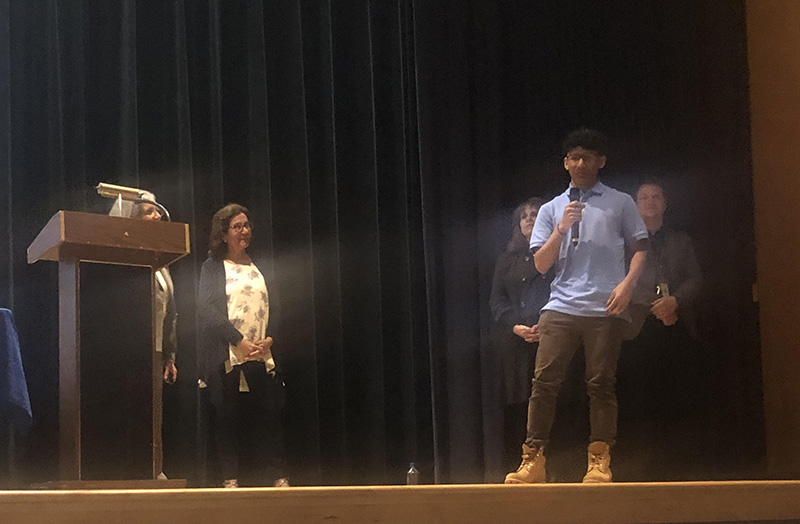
(671, 279)
(661, 368)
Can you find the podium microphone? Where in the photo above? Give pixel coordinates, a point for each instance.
(575, 194)
(131, 194)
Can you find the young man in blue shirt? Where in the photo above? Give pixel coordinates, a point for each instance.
(588, 301)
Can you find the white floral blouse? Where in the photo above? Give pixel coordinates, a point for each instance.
(248, 306)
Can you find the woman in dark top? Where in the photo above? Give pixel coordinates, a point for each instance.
(236, 360)
(518, 294)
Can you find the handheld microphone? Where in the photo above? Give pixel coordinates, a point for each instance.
(575, 194)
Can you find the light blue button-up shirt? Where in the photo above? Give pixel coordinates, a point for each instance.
(588, 272)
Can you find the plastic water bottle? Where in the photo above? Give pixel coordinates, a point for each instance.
(412, 477)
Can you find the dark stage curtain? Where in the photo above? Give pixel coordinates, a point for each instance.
(380, 147)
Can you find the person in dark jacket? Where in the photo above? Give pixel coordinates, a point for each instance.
(661, 368)
(670, 283)
(518, 293)
(236, 360)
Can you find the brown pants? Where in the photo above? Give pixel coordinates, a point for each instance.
(561, 336)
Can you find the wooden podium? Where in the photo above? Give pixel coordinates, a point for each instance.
(109, 375)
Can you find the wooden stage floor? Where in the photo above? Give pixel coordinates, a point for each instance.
(737, 501)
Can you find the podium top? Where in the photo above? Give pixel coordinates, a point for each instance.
(71, 235)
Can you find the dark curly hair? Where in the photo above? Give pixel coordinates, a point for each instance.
(219, 227)
(587, 139)
(518, 242)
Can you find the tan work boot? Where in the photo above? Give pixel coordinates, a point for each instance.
(531, 470)
(599, 469)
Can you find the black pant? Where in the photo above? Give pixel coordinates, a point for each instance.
(249, 426)
(663, 405)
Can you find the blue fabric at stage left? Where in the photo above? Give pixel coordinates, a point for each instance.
(14, 401)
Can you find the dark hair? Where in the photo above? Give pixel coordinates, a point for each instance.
(137, 211)
(650, 182)
(219, 227)
(518, 242)
(587, 139)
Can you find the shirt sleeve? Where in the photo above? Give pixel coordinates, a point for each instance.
(633, 227)
(499, 301)
(691, 278)
(169, 341)
(212, 306)
(543, 227)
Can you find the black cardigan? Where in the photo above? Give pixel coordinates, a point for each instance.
(215, 331)
(518, 294)
(519, 291)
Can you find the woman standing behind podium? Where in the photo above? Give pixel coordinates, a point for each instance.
(166, 314)
(236, 360)
(518, 294)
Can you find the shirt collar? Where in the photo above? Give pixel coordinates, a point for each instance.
(597, 189)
